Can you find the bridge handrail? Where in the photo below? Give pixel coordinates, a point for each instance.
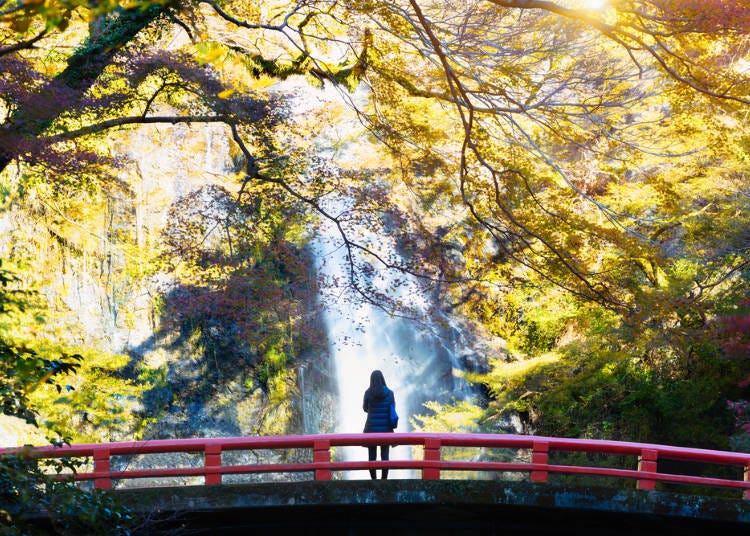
(646, 475)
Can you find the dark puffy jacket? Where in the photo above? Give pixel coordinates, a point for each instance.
(378, 408)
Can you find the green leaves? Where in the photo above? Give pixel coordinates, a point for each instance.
(12, 299)
(22, 371)
(29, 487)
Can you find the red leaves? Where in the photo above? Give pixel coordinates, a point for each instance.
(733, 336)
(741, 411)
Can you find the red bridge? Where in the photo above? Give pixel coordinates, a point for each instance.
(700, 485)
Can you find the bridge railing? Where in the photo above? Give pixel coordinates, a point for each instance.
(434, 462)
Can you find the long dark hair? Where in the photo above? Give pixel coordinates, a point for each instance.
(377, 384)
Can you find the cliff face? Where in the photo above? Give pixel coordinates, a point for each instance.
(104, 263)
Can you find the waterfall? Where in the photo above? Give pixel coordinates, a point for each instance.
(417, 357)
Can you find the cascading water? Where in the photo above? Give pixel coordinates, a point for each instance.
(417, 357)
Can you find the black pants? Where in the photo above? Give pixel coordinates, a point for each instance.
(372, 456)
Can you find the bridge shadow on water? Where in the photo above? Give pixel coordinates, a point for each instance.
(441, 507)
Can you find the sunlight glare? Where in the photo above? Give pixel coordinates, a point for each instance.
(595, 4)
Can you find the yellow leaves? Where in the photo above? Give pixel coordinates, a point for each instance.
(510, 372)
(232, 66)
(209, 52)
(20, 24)
(131, 4)
(278, 388)
(35, 15)
(459, 417)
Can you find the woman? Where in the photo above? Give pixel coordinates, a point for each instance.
(377, 404)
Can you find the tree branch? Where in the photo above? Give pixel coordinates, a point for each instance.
(134, 120)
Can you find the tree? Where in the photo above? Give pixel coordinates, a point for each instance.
(33, 102)
(525, 109)
(26, 484)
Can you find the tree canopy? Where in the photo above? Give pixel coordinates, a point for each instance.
(550, 106)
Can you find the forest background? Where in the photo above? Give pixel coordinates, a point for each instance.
(567, 180)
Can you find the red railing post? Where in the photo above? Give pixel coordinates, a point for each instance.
(102, 466)
(540, 454)
(431, 453)
(212, 458)
(322, 454)
(647, 464)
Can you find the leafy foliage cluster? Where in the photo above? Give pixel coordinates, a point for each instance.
(36, 382)
(39, 503)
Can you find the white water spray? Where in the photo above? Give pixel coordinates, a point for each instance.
(413, 356)
(417, 358)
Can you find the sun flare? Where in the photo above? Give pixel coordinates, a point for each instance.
(595, 4)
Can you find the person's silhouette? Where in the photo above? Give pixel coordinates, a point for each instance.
(377, 404)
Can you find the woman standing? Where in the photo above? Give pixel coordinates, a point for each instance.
(377, 404)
